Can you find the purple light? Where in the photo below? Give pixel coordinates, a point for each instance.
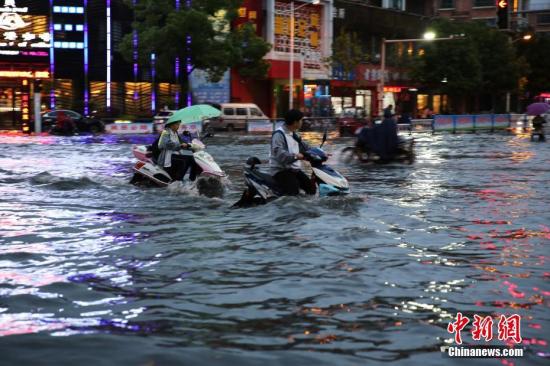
(86, 62)
(177, 71)
(52, 59)
(153, 91)
(188, 60)
(189, 69)
(135, 54)
(108, 77)
(177, 67)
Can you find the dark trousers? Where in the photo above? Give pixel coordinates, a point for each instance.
(180, 165)
(291, 181)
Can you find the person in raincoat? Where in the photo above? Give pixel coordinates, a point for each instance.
(538, 128)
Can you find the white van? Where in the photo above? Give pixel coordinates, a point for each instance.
(235, 116)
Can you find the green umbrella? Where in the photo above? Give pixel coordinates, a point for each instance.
(194, 113)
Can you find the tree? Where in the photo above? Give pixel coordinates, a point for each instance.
(197, 35)
(537, 55)
(483, 62)
(347, 52)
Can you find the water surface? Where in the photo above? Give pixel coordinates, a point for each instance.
(96, 271)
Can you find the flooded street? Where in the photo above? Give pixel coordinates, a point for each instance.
(96, 271)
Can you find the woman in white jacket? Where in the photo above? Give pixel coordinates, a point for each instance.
(170, 145)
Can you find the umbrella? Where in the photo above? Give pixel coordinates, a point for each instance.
(537, 108)
(194, 113)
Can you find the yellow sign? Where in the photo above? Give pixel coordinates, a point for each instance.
(24, 74)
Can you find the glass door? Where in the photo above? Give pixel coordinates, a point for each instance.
(10, 108)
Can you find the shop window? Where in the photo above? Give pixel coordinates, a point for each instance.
(447, 4)
(137, 100)
(437, 104)
(543, 19)
(479, 3)
(394, 4)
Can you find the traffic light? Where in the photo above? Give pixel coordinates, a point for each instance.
(502, 14)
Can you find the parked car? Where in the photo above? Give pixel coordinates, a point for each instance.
(160, 119)
(235, 116)
(83, 124)
(351, 119)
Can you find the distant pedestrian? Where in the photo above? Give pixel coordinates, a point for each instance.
(388, 110)
(538, 128)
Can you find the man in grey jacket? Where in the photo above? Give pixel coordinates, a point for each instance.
(287, 150)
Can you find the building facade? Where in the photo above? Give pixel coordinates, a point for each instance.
(67, 49)
(533, 15)
(312, 41)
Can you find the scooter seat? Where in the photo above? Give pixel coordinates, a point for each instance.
(265, 177)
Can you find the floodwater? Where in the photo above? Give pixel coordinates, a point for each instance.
(94, 271)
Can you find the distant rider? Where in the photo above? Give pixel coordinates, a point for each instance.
(287, 149)
(386, 136)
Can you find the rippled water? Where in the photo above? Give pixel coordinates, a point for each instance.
(95, 271)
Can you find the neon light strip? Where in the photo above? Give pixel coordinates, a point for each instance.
(135, 52)
(86, 62)
(177, 68)
(108, 80)
(189, 69)
(189, 66)
(153, 91)
(52, 60)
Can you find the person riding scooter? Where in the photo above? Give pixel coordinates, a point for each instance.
(287, 149)
(386, 137)
(170, 146)
(64, 125)
(381, 139)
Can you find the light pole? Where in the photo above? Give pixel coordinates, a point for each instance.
(291, 62)
(428, 37)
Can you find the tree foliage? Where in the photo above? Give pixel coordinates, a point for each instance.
(199, 33)
(347, 52)
(484, 61)
(537, 55)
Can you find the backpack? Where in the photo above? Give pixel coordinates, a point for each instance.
(155, 149)
(295, 136)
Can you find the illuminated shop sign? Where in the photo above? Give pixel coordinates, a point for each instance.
(22, 29)
(24, 74)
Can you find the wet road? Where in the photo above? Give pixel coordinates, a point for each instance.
(96, 271)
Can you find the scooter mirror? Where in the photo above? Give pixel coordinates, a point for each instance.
(324, 138)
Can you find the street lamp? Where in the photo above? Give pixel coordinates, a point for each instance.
(291, 64)
(428, 37)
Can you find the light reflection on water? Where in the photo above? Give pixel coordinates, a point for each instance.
(86, 259)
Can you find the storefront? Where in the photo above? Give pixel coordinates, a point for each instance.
(311, 39)
(24, 49)
(316, 96)
(358, 90)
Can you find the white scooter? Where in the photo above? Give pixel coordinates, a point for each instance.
(209, 175)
